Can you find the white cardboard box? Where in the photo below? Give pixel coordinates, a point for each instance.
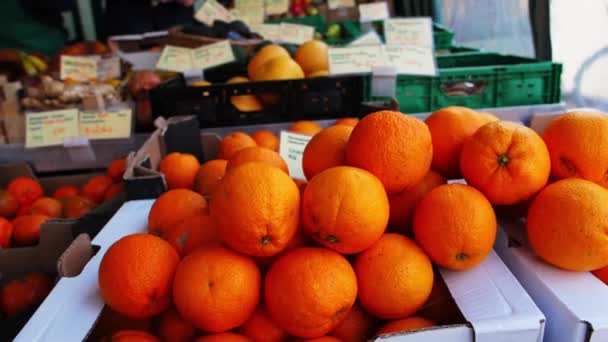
(493, 303)
(574, 303)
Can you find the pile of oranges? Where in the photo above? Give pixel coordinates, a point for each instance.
(239, 251)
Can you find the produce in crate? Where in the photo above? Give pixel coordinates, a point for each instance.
(257, 154)
(312, 56)
(265, 138)
(23, 293)
(326, 149)
(265, 54)
(172, 327)
(357, 326)
(180, 170)
(244, 103)
(133, 335)
(232, 143)
(224, 337)
(324, 339)
(406, 324)
(209, 176)
(305, 127)
(46, 206)
(66, 191)
(260, 327)
(6, 233)
(191, 233)
(172, 207)
(347, 122)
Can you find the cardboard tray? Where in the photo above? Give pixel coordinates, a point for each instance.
(574, 303)
(495, 306)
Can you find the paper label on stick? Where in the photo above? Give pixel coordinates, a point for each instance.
(212, 55)
(409, 31)
(175, 58)
(411, 60)
(270, 32)
(291, 149)
(50, 128)
(249, 15)
(213, 10)
(296, 34)
(333, 4)
(276, 6)
(106, 125)
(373, 11)
(356, 59)
(78, 68)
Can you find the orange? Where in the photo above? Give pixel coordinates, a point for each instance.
(309, 291)
(266, 139)
(113, 191)
(47, 206)
(347, 122)
(395, 147)
(136, 274)
(578, 146)
(216, 289)
(25, 190)
(110, 322)
(345, 209)
(66, 191)
(324, 339)
(259, 327)
(180, 170)
(300, 239)
(456, 226)
(318, 73)
(172, 207)
(312, 56)
(358, 326)
(406, 324)
(133, 336)
(117, 169)
(173, 328)
(23, 293)
(602, 274)
(403, 204)
(24, 210)
(268, 205)
(450, 127)
(305, 127)
(6, 232)
(567, 225)
(232, 143)
(441, 307)
(265, 54)
(244, 103)
(257, 154)
(224, 337)
(326, 149)
(507, 162)
(96, 187)
(278, 68)
(27, 229)
(8, 204)
(192, 233)
(209, 176)
(405, 272)
(76, 206)
(200, 83)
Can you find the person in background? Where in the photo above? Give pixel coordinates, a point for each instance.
(140, 16)
(32, 25)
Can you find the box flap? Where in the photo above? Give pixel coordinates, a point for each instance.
(9, 172)
(182, 135)
(568, 299)
(75, 257)
(58, 319)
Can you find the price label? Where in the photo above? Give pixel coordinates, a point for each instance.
(357, 59)
(370, 38)
(211, 11)
(106, 125)
(78, 68)
(291, 149)
(373, 11)
(276, 6)
(249, 15)
(249, 3)
(109, 68)
(270, 32)
(296, 34)
(334, 4)
(411, 60)
(50, 128)
(409, 31)
(212, 55)
(175, 58)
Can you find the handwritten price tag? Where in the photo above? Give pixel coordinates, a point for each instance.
(78, 68)
(357, 59)
(106, 125)
(250, 14)
(373, 11)
(175, 58)
(276, 6)
(249, 3)
(411, 60)
(50, 128)
(334, 4)
(211, 11)
(270, 32)
(212, 55)
(291, 149)
(296, 34)
(409, 31)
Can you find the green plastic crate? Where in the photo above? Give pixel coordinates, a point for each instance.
(442, 36)
(481, 80)
(350, 29)
(457, 50)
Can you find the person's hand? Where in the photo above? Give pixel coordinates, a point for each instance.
(186, 3)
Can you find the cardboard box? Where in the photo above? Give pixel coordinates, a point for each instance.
(135, 49)
(495, 306)
(574, 303)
